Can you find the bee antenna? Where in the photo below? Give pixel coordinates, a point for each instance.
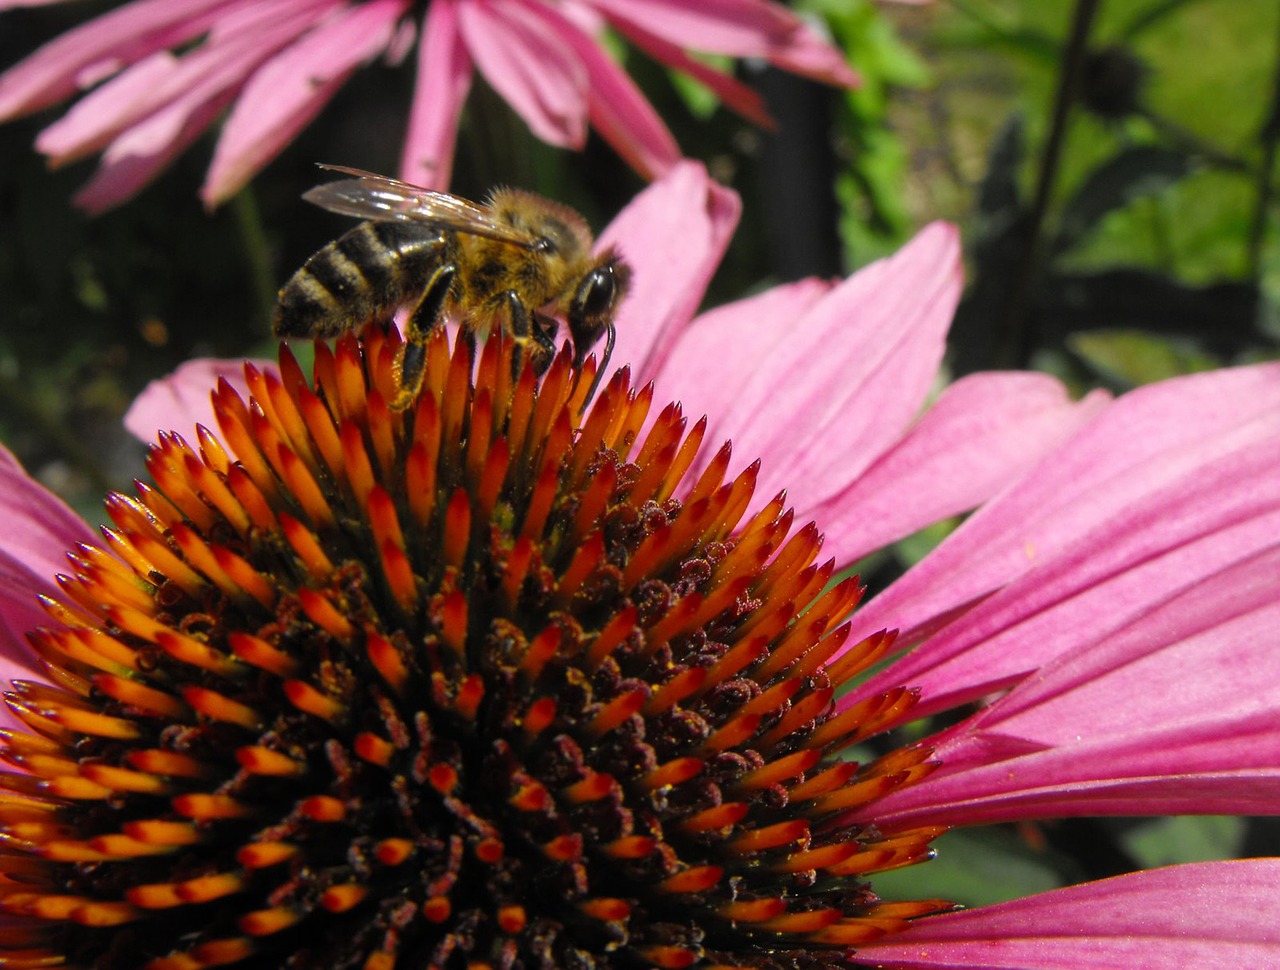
(610, 336)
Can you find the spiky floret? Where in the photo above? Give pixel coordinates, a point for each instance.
(480, 684)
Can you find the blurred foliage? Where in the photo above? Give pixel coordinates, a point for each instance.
(1125, 193)
(1172, 841)
(975, 868)
(869, 186)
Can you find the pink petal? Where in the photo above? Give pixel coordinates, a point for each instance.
(1211, 916)
(844, 378)
(734, 94)
(533, 67)
(669, 280)
(1114, 776)
(181, 400)
(151, 83)
(741, 28)
(290, 89)
(626, 119)
(722, 348)
(810, 55)
(617, 108)
(983, 432)
(134, 159)
(402, 41)
(444, 77)
(1172, 713)
(100, 47)
(1216, 626)
(39, 529)
(91, 123)
(1171, 482)
(204, 83)
(588, 19)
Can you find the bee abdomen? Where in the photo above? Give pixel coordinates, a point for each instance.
(364, 275)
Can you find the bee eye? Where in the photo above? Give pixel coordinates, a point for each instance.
(597, 293)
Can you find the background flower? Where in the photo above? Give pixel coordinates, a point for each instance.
(159, 72)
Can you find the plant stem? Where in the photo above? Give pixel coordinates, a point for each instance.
(1013, 337)
(1269, 136)
(254, 247)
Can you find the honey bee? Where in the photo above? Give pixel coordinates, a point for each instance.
(518, 261)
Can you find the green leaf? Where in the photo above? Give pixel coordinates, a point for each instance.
(1130, 174)
(697, 97)
(999, 197)
(1131, 357)
(974, 867)
(919, 544)
(1222, 317)
(1196, 838)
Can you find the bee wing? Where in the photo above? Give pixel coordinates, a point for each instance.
(369, 196)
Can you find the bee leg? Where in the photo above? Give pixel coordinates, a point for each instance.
(543, 328)
(526, 330)
(423, 321)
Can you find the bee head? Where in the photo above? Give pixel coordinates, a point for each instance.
(594, 301)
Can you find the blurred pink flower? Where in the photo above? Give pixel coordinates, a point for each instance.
(159, 72)
(1112, 602)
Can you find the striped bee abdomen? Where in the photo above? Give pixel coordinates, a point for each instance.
(365, 275)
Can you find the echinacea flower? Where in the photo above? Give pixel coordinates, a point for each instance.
(506, 681)
(159, 72)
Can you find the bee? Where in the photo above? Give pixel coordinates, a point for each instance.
(517, 261)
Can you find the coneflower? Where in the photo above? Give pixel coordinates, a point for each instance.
(495, 682)
(161, 73)
(1106, 617)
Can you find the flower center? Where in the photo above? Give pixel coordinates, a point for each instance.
(490, 682)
